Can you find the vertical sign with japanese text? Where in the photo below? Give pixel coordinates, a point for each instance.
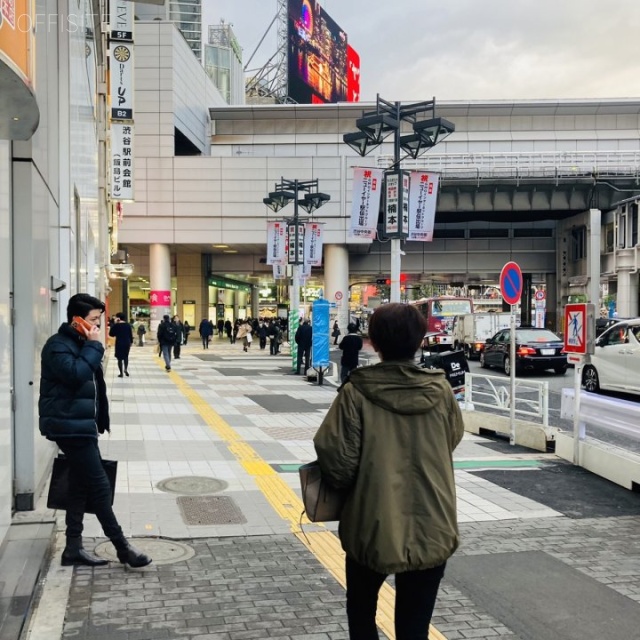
(121, 80)
(276, 241)
(423, 195)
(365, 202)
(313, 244)
(396, 219)
(122, 162)
(295, 245)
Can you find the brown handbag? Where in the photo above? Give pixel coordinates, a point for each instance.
(322, 502)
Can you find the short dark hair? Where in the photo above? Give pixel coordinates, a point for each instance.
(396, 330)
(81, 304)
(120, 315)
(351, 327)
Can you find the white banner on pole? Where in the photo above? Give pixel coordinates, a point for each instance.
(279, 271)
(305, 273)
(365, 202)
(276, 241)
(121, 162)
(423, 195)
(313, 244)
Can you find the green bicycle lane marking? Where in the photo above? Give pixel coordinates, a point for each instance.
(457, 464)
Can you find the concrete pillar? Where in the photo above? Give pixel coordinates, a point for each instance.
(160, 282)
(336, 282)
(626, 294)
(593, 257)
(255, 303)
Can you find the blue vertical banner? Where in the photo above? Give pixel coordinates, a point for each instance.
(320, 346)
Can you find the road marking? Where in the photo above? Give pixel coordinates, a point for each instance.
(324, 545)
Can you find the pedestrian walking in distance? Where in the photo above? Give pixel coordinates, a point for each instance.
(167, 336)
(304, 340)
(74, 411)
(350, 346)
(205, 330)
(388, 440)
(122, 331)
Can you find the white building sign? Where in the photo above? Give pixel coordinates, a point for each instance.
(121, 20)
(121, 80)
(122, 162)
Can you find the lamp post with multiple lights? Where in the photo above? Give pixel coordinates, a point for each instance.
(286, 191)
(374, 127)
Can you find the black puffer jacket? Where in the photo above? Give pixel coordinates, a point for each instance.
(73, 395)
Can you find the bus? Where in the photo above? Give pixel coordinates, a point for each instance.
(440, 312)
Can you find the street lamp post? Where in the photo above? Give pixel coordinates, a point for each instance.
(374, 127)
(286, 191)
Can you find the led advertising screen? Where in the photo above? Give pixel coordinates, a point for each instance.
(318, 55)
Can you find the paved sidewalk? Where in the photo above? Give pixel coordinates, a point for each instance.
(548, 551)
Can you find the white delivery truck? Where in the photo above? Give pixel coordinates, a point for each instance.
(471, 331)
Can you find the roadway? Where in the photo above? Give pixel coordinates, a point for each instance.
(556, 384)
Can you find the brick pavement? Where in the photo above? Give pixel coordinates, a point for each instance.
(257, 580)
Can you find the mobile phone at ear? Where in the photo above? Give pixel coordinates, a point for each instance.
(80, 324)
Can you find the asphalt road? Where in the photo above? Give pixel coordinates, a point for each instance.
(556, 384)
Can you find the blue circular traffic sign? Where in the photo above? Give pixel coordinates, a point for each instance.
(511, 283)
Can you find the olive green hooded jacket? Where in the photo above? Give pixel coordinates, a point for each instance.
(389, 437)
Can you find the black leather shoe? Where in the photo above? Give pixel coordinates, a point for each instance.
(131, 556)
(81, 557)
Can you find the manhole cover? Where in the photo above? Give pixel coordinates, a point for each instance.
(161, 551)
(205, 510)
(192, 485)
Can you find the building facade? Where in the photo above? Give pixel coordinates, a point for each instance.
(53, 226)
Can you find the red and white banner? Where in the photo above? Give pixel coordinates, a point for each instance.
(423, 195)
(365, 202)
(313, 244)
(276, 243)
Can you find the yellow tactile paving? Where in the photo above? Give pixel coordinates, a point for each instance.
(324, 545)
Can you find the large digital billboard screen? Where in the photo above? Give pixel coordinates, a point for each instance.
(318, 56)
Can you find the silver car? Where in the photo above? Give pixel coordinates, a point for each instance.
(615, 363)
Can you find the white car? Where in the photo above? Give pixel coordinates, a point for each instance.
(615, 363)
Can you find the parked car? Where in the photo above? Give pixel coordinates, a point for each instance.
(615, 363)
(536, 350)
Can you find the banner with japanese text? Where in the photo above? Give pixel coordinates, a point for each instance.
(423, 195)
(313, 244)
(280, 272)
(122, 162)
(276, 243)
(365, 202)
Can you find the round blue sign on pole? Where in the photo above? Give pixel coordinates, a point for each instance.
(511, 283)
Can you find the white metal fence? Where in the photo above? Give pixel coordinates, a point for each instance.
(493, 392)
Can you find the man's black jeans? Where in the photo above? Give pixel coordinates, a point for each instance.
(416, 593)
(88, 482)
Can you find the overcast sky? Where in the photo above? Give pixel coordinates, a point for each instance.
(466, 49)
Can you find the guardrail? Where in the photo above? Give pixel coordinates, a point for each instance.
(558, 165)
(496, 395)
(610, 414)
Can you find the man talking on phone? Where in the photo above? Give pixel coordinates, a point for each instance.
(74, 410)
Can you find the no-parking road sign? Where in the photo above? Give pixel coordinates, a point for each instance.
(511, 283)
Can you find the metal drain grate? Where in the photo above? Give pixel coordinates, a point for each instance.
(161, 551)
(209, 510)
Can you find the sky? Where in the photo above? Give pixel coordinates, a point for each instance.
(469, 50)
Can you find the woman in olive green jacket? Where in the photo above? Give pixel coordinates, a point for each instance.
(389, 437)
